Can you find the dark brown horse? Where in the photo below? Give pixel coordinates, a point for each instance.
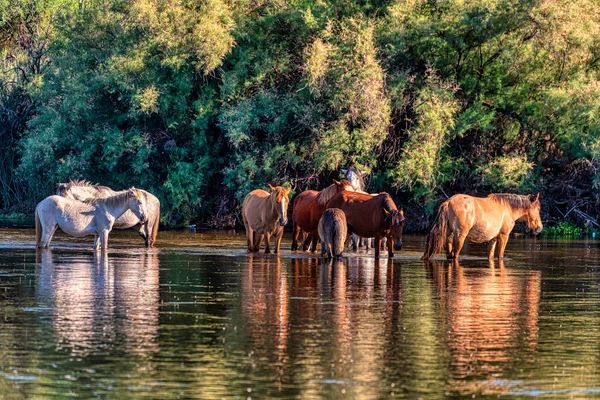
(308, 208)
(333, 230)
(489, 219)
(372, 216)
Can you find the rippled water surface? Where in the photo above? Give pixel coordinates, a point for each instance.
(199, 318)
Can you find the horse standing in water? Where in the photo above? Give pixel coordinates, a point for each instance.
(265, 214)
(332, 232)
(85, 191)
(93, 217)
(308, 208)
(479, 220)
(372, 216)
(355, 176)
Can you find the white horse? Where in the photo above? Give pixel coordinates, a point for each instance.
(93, 217)
(355, 177)
(85, 191)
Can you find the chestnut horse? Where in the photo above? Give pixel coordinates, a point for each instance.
(265, 214)
(372, 216)
(489, 219)
(308, 208)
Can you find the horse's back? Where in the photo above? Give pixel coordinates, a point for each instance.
(306, 212)
(363, 212)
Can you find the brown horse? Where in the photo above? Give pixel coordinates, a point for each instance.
(372, 216)
(308, 208)
(332, 232)
(479, 220)
(265, 214)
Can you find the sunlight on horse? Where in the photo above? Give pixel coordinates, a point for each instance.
(308, 208)
(372, 216)
(479, 220)
(92, 217)
(265, 214)
(84, 191)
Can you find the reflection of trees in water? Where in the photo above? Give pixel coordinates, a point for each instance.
(491, 316)
(102, 301)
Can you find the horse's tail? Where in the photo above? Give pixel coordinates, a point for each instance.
(338, 238)
(38, 229)
(438, 234)
(155, 227)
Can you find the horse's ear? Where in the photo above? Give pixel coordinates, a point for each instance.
(344, 171)
(336, 182)
(271, 187)
(537, 197)
(287, 190)
(386, 212)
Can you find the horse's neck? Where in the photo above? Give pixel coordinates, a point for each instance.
(326, 194)
(518, 213)
(115, 209)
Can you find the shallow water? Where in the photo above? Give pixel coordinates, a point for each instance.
(199, 318)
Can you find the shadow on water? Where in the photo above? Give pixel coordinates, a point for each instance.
(184, 323)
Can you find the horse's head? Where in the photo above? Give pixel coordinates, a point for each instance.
(137, 204)
(355, 177)
(64, 190)
(534, 221)
(343, 185)
(396, 221)
(280, 197)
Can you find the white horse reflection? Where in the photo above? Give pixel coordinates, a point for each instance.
(101, 302)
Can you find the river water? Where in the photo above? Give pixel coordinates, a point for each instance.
(199, 318)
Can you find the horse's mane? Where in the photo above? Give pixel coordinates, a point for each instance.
(84, 183)
(327, 194)
(117, 199)
(359, 176)
(387, 202)
(518, 201)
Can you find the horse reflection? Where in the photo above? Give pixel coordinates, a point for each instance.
(266, 308)
(100, 301)
(492, 314)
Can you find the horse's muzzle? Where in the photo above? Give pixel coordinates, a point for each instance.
(538, 230)
(283, 222)
(398, 246)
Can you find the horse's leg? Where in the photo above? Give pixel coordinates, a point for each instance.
(449, 253)
(306, 242)
(267, 239)
(491, 248)
(257, 240)
(377, 246)
(104, 239)
(355, 242)
(315, 243)
(249, 236)
(459, 241)
(96, 242)
(278, 240)
(502, 241)
(390, 246)
(295, 233)
(47, 234)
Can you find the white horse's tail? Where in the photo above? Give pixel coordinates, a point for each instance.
(38, 229)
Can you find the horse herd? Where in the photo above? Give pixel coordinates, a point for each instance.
(340, 211)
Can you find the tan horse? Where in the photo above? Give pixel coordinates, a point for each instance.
(84, 191)
(94, 217)
(479, 220)
(308, 208)
(265, 214)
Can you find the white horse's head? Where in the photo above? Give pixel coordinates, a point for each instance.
(355, 177)
(137, 204)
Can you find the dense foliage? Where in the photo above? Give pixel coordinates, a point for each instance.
(199, 101)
